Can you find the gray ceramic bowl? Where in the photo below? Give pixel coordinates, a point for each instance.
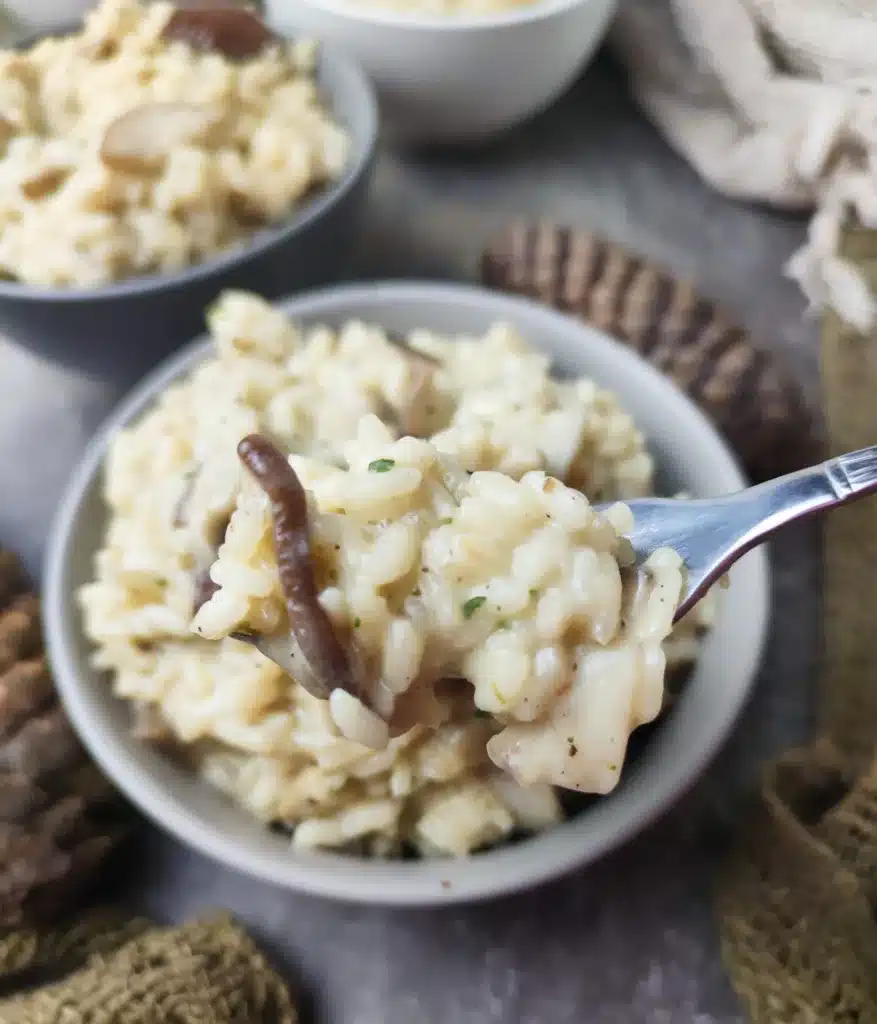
(122, 329)
(691, 457)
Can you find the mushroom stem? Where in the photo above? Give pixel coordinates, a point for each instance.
(328, 666)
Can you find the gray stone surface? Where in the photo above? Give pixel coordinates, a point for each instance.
(632, 940)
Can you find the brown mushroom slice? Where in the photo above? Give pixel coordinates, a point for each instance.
(235, 32)
(7, 130)
(142, 139)
(45, 182)
(325, 665)
(205, 588)
(245, 210)
(416, 706)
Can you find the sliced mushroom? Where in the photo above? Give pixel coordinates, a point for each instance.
(141, 140)
(245, 210)
(328, 666)
(418, 705)
(205, 588)
(181, 508)
(416, 415)
(415, 418)
(7, 130)
(149, 724)
(45, 182)
(235, 32)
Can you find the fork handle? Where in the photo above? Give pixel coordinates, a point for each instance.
(853, 475)
(773, 504)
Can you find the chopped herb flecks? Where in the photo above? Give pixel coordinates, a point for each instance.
(381, 466)
(472, 605)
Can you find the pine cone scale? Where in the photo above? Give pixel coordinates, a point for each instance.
(59, 818)
(20, 631)
(24, 689)
(19, 797)
(43, 746)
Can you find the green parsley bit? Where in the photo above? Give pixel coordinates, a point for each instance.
(446, 521)
(502, 624)
(357, 622)
(381, 465)
(534, 593)
(472, 605)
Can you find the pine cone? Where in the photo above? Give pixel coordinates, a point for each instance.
(740, 386)
(59, 818)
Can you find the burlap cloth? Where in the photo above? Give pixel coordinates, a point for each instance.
(799, 898)
(105, 969)
(799, 903)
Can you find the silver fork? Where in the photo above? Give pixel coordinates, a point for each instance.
(711, 534)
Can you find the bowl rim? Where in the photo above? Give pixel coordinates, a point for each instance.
(531, 12)
(264, 241)
(501, 871)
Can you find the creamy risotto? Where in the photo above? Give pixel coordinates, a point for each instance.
(153, 139)
(465, 640)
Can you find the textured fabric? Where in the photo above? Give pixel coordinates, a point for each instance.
(772, 100)
(106, 970)
(59, 818)
(59, 821)
(799, 902)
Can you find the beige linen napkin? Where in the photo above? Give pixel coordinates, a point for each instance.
(771, 100)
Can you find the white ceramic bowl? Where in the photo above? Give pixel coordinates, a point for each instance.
(33, 16)
(456, 79)
(690, 457)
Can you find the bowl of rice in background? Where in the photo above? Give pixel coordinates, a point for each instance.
(152, 157)
(216, 745)
(451, 72)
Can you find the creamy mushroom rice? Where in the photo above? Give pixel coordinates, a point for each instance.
(455, 555)
(153, 139)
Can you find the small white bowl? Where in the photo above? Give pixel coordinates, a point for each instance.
(35, 16)
(690, 456)
(456, 79)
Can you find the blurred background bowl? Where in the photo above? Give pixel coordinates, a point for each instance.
(35, 17)
(121, 329)
(456, 79)
(690, 457)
